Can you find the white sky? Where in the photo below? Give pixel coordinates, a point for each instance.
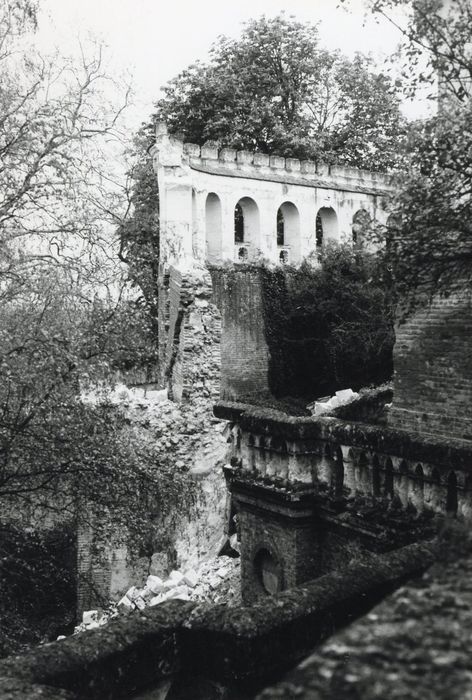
(156, 39)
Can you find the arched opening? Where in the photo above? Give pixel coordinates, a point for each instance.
(288, 232)
(238, 224)
(251, 443)
(363, 485)
(418, 487)
(268, 572)
(213, 227)
(451, 499)
(361, 224)
(238, 440)
(375, 476)
(388, 486)
(326, 225)
(403, 483)
(337, 475)
(246, 227)
(435, 490)
(280, 227)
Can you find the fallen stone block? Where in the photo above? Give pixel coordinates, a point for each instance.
(176, 577)
(132, 593)
(345, 394)
(89, 616)
(175, 592)
(139, 602)
(125, 602)
(154, 584)
(156, 600)
(191, 578)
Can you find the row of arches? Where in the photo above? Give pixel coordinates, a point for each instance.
(347, 470)
(287, 226)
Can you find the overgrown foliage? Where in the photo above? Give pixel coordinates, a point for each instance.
(330, 327)
(68, 321)
(38, 584)
(431, 235)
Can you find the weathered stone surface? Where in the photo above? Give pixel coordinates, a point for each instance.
(416, 644)
(216, 642)
(124, 655)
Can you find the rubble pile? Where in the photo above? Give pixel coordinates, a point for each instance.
(326, 405)
(214, 581)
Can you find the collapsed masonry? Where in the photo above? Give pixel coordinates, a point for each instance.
(311, 493)
(320, 501)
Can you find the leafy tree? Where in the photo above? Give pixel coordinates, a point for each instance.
(67, 318)
(139, 232)
(430, 237)
(275, 90)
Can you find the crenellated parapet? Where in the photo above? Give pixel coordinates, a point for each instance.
(273, 168)
(221, 204)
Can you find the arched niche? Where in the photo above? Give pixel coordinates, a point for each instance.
(326, 226)
(213, 229)
(375, 476)
(388, 482)
(361, 225)
(451, 494)
(288, 232)
(246, 227)
(417, 495)
(268, 572)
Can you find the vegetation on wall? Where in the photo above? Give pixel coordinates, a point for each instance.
(274, 90)
(329, 327)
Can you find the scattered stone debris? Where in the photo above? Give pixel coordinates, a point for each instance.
(214, 581)
(318, 408)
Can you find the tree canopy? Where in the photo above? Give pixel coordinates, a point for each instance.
(431, 233)
(276, 90)
(68, 319)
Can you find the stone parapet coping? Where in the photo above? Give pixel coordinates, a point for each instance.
(241, 644)
(171, 152)
(364, 182)
(448, 453)
(416, 644)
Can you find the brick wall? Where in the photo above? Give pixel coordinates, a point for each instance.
(433, 370)
(244, 351)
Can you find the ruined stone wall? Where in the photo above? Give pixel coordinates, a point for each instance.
(433, 370)
(244, 351)
(188, 439)
(189, 335)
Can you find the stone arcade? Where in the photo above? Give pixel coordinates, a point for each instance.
(226, 205)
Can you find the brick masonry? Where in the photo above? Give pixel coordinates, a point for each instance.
(244, 351)
(433, 370)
